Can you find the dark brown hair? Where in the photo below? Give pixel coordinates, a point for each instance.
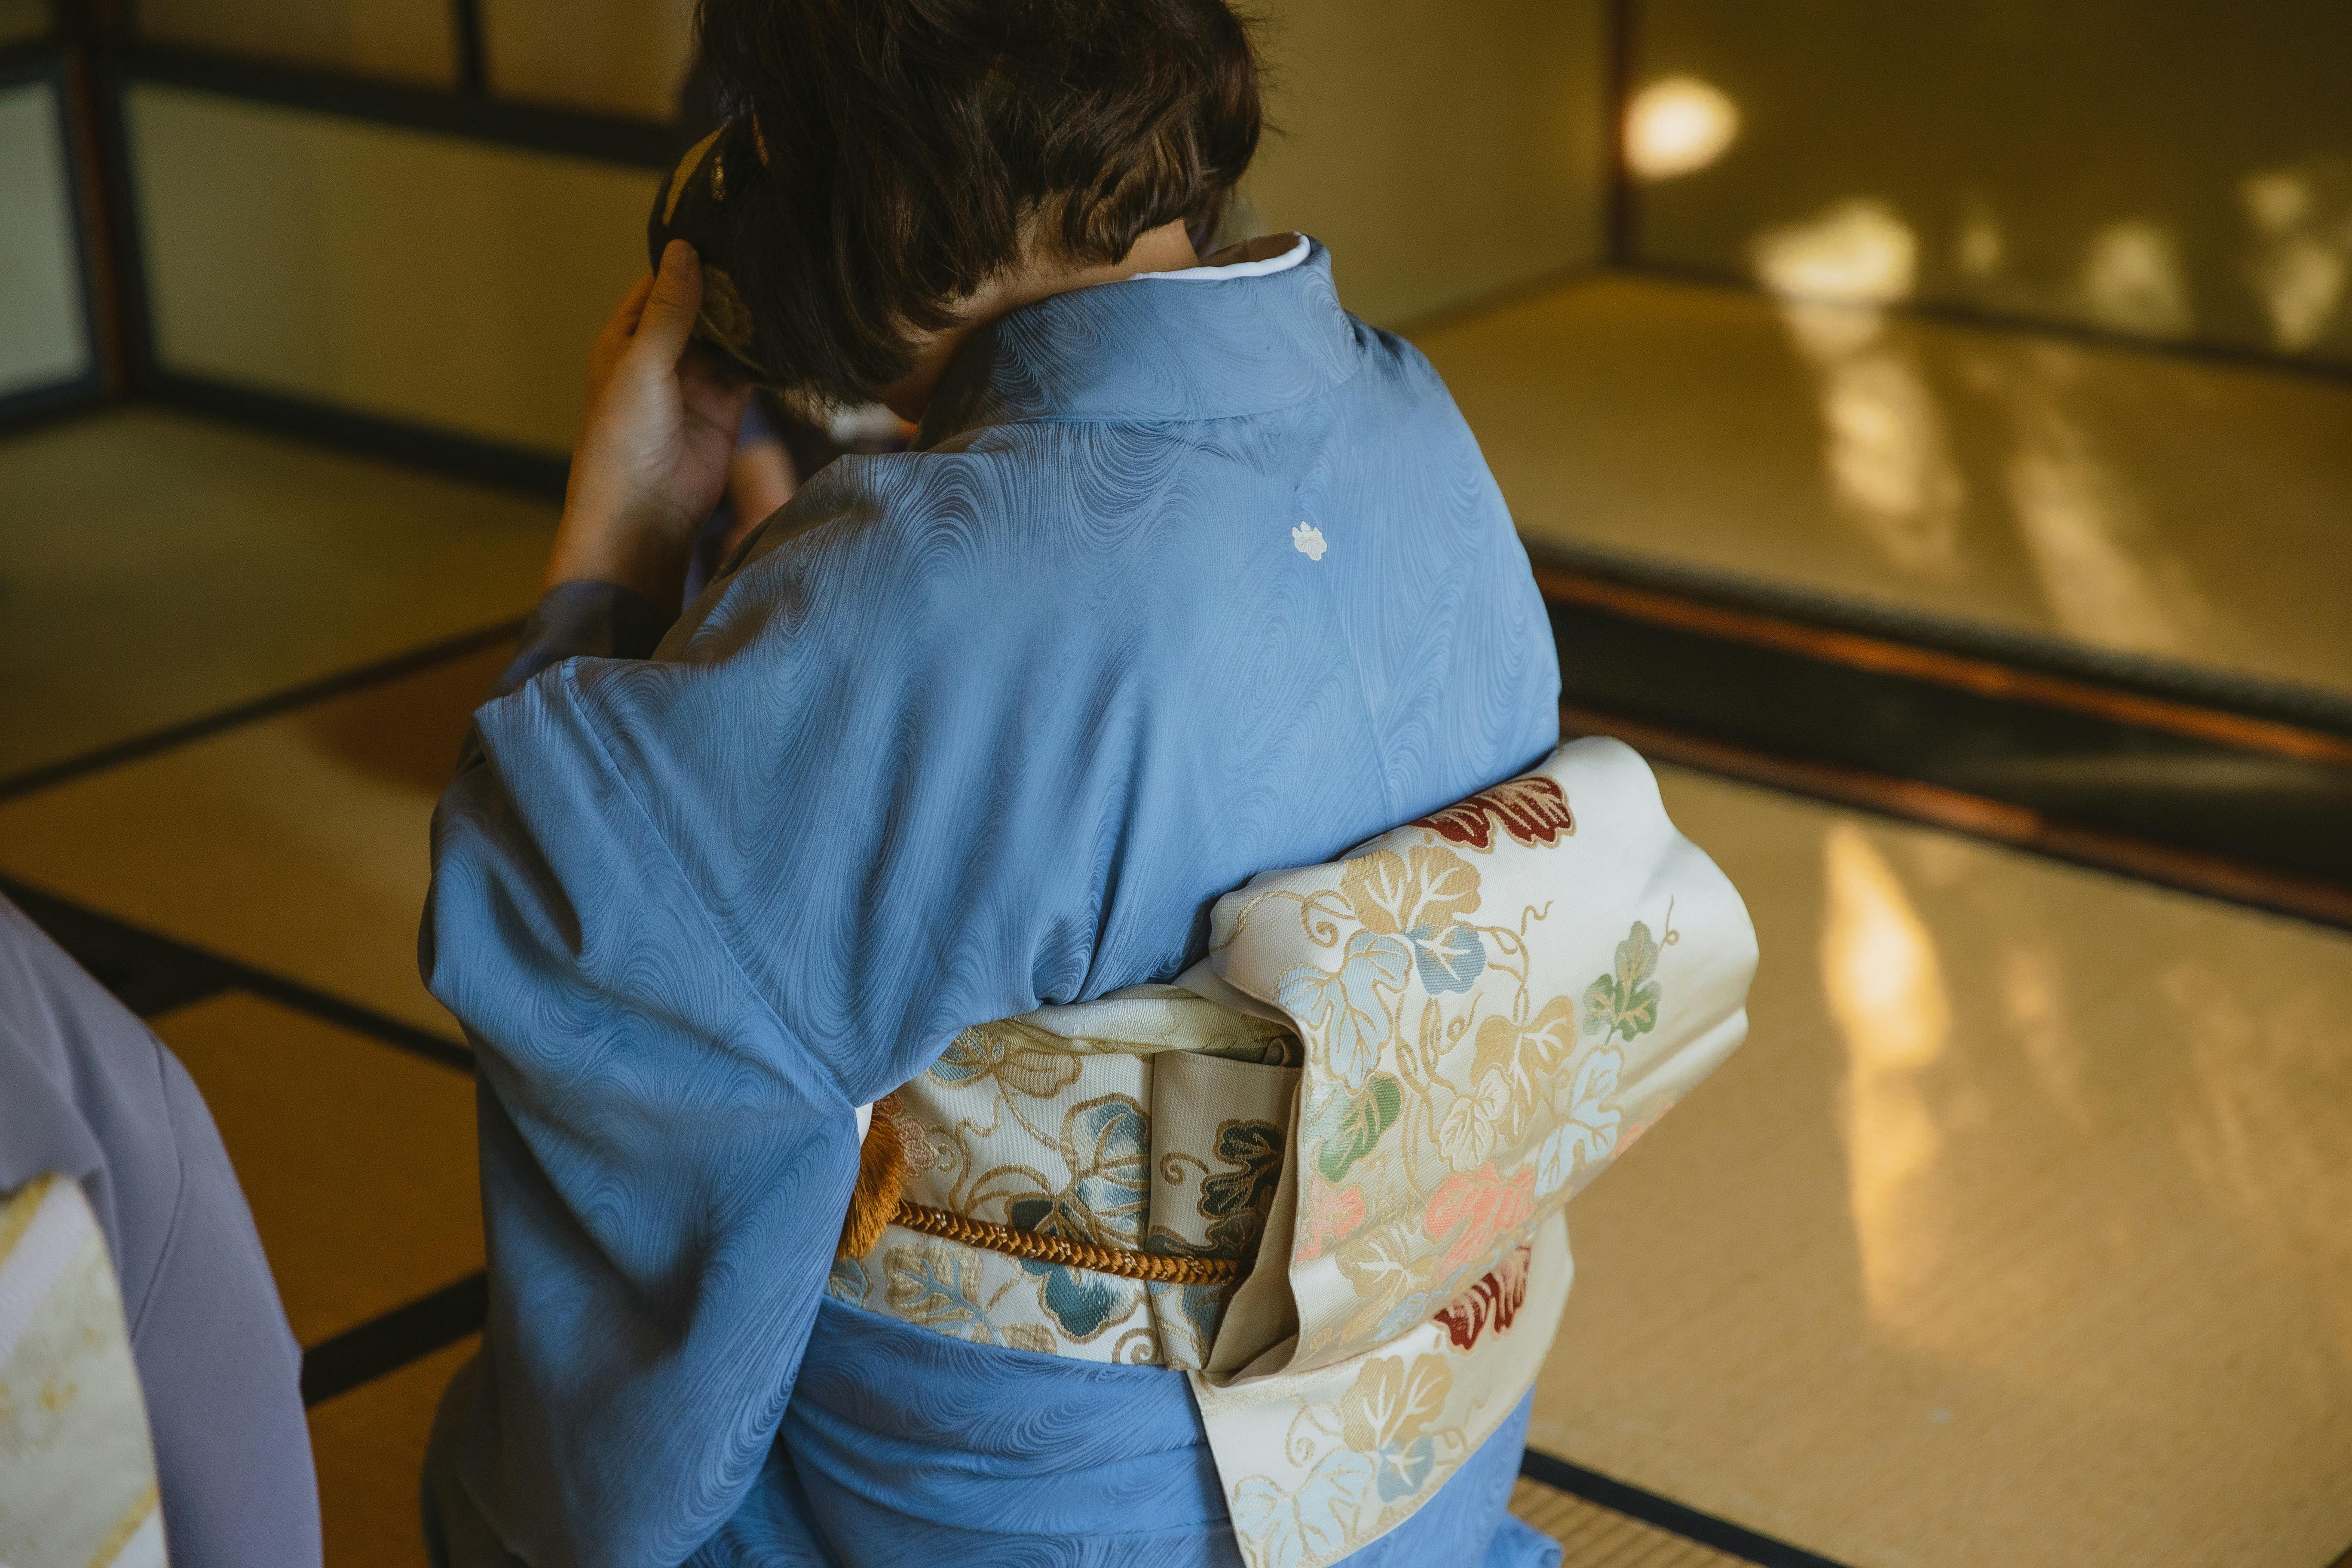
(915, 147)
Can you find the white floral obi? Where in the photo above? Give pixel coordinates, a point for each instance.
(1456, 1027)
(77, 1471)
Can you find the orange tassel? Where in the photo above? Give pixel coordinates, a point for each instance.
(881, 1181)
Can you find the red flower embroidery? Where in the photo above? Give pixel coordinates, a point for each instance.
(1532, 810)
(1330, 1213)
(1471, 1212)
(1497, 1299)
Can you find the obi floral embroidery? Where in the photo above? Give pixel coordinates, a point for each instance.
(1489, 999)
(77, 1483)
(1495, 1300)
(1377, 1092)
(1126, 1125)
(1533, 810)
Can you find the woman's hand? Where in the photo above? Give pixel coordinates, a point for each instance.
(651, 461)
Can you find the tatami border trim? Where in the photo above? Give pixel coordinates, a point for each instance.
(1675, 1518)
(1977, 677)
(1592, 572)
(2020, 828)
(198, 974)
(342, 684)
(401, 1337)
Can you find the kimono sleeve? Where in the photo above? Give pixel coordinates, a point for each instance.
(656, 1160)
(691, 911)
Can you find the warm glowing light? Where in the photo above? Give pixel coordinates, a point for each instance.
(1879, 968)
(1889, 462)
(1677, 126)
(1857, 253)
(1885, 990)
(2300, 281)
(2132, 282)
(1884, 447)
(2085, 531)
(1981, 249)
(2301, 260)
(2277, 200)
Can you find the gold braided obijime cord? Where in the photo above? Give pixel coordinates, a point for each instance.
(1159, 1269)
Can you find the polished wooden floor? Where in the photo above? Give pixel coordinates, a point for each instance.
(2020, 1232)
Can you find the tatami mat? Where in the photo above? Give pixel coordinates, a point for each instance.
(2127, 502)
(2020, 1232)
(1592, 1536)
(369, 1446)
(298, 844)
(357, 1159)
(159, 567)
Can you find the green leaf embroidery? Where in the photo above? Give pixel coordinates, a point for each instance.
(1255, 1148)
(1356, 1129)
(1624, 1003)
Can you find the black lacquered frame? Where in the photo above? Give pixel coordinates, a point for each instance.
(95, 58)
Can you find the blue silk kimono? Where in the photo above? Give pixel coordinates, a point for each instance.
(1184, 579)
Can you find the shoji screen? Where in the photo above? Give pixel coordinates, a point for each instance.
(625, 57)
(403, 40)
(426, 278)
(22, 19)
(45, 344)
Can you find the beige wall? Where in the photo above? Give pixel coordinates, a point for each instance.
(42, 337)
(22, 19)
(448, 283)
(2173, 171)
(409, 40)
(625, 57)
(1399, 121)
(1442, 149)
(1442, 153)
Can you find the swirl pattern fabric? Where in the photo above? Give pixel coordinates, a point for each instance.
(918, 1448)
(1487, 1024)
(1182, 581)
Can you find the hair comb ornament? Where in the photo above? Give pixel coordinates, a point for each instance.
(693, 205)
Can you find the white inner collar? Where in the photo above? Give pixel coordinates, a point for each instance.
(1255, 263)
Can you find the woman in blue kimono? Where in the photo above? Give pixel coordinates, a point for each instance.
(1188, 575)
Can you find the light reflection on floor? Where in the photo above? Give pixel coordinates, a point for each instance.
(1884, 988)
(2127, 502)
(2019, 1232)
